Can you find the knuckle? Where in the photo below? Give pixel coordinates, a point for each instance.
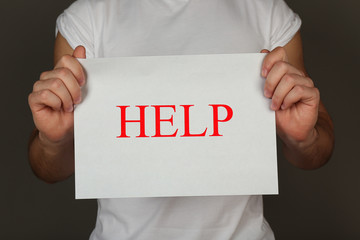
(44, 94)
(65, 58)
(36, 86)
(282, 65)
(62, 72)
(43, 75)
(310, 82)
(299, 89)
(30, 98)
(289, 79)
(56, 83)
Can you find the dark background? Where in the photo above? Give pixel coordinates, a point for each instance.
(318, 204)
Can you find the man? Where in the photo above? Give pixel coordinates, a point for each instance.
(303, 123)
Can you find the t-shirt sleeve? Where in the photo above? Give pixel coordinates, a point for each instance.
(75, 25)
(284, 24)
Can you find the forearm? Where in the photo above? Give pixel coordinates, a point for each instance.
(51, 162)
(315, 152)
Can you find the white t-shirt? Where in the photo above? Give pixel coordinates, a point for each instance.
(111, 28)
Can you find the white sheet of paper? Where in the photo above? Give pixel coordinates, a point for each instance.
(242, 161)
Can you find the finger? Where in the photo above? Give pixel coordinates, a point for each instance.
(278, 54)
(74, 66)
(69, 80)
(44, 98)
(307, 95)
(58, 87)
(264, 51)
(277, 72)
(287, 83)
(79, 52)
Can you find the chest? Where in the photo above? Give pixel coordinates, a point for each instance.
(145, 28)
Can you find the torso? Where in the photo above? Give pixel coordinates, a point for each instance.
(172, 27)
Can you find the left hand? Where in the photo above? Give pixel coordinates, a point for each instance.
(295, 100)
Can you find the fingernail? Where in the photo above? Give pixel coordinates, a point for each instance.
(267, 93)
(70, 109)
(78, 100)
(264, 72)
(282, 106)
(273, 106)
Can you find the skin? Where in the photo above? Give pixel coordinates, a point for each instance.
(303, 123)
(51, 147)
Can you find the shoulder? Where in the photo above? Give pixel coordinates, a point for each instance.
(96, 10)
(96, 4)
(265, 12)
(279, 21)
(90, 5)
(266, 7)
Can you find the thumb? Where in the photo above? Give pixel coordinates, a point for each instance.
(79, 52)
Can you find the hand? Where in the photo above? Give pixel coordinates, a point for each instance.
(295, 100)
(54, 95)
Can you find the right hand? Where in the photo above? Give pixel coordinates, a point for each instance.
(54, 95)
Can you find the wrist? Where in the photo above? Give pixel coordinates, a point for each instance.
(301, 153)
(53, 147)
(51, 161)
(304, 144)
